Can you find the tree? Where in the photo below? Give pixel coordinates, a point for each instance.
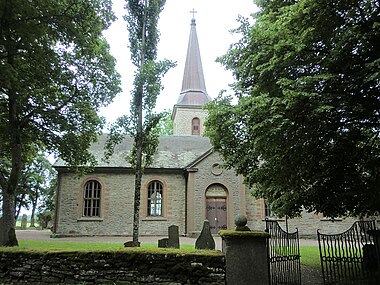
(305, 131)
(165, 125)
(55, 73)
(142, 19)
(36, 178)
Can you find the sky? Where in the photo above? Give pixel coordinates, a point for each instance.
(214, 19)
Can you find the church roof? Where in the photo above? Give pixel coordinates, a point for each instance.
(193, 90)
(174, 152)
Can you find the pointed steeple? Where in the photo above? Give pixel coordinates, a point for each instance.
(193, 84)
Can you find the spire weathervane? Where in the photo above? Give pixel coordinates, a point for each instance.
(193, 12)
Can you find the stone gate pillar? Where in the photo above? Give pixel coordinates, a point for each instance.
(246, 255)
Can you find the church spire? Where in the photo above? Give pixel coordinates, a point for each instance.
(193, 90)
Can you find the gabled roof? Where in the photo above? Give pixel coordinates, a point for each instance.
(193, 90)
(174, 152)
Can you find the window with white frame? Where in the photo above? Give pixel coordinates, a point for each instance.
(91, 199)
(155, 199)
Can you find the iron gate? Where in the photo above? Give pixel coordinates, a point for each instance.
(284, 255)
(351, 257)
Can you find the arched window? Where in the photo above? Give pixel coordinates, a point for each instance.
(91, 199)
(155, 199)
(196, 127)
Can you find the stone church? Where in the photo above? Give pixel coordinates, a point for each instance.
(184, 186)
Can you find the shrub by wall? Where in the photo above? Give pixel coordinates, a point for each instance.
(121, 267)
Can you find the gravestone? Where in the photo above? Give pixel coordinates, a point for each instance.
(42, 223)
(24, 221)
(205, 239)
(173, 240)
(163, 243)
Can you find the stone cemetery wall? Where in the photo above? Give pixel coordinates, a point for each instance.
(111, 268)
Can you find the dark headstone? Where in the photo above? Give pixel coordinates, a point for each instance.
(205, 239)
(163, 243)
(173, 240)
(24, 222)
(131, 244)
(42, 223)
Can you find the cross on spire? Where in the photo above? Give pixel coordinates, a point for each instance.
(193, 12)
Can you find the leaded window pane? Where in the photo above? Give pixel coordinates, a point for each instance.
(91, 196)
(155, 192)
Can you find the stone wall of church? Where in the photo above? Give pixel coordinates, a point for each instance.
(204, 177)
(255, 212)
(183, 119)
(307, 224)
(117, 198)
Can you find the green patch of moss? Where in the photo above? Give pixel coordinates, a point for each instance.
(231, 233)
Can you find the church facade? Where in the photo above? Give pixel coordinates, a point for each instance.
(184, 186)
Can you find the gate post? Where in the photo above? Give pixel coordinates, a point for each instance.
(246, 255)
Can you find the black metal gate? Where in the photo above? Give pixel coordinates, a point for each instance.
(351, 257)
(284, 255)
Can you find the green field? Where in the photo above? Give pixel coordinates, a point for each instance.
(310, 256)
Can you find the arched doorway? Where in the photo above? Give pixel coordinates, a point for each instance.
(216, 207)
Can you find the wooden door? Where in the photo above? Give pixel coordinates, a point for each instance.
(216, 209)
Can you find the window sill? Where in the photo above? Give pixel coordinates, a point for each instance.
(90, 219)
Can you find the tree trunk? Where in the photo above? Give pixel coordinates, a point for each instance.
(139, 140)
(138, 170)
(8, 223)
(34, 207)
(18, 208)
(9, 193)
(136, 207)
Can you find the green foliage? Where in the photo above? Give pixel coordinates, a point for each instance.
(57, 64)
(142, 19)
(55, 74)
(35, 184)
(165, 126)
(305, 131)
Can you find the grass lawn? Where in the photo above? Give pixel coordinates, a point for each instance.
(309, 254)
(18, 224)
(59, 246)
